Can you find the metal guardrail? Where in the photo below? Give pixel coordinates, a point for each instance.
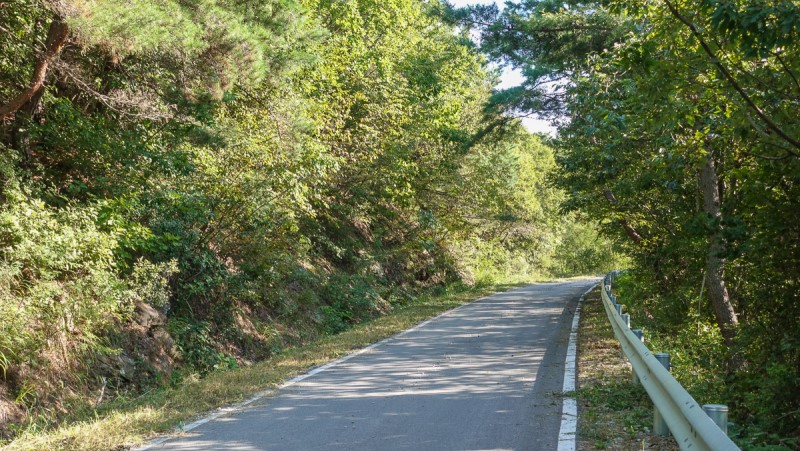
(692, 428)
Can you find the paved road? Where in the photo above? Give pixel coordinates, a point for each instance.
(480, 377)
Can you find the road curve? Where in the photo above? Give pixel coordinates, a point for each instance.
(480, 377)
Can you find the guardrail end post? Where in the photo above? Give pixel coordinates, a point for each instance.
(718, 414)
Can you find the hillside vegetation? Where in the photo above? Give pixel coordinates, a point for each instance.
(192, 186)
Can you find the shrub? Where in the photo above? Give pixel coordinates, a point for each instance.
(60, 292)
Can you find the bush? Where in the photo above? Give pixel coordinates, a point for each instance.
(349, 300)
(60, 291)
(198, 347)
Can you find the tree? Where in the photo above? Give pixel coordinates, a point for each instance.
(675, 115)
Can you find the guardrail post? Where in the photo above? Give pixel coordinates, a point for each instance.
(718, 414)
(663, 359)
(626, 318)
(619, 308)
(659, 425)
(640, 335)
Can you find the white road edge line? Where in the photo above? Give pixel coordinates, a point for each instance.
(567, 435)
(237, 407)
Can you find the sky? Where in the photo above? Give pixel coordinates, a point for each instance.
(511, 77)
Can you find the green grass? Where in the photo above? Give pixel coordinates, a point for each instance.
(126, 422)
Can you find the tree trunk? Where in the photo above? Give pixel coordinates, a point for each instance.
(29, 97)
(715, 263)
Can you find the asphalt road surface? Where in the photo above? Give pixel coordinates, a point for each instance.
(485, 376)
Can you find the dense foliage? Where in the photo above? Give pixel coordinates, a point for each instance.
(680, 136)
(191, 186)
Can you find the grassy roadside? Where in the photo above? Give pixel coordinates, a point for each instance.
(126, 422)
(613, 413)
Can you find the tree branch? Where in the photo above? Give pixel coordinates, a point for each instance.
(787, 69)
(727, 75)
(56, 38)
(629, 229)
